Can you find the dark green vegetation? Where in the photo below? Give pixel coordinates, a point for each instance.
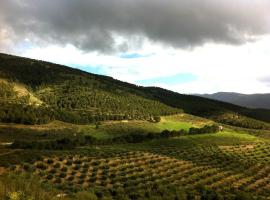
(75, 96)
(82, 140)
(79, 97)
(84, 136)
(211, 109)
(103, 130)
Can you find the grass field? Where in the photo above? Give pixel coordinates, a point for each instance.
(112, 129)
(108, 129)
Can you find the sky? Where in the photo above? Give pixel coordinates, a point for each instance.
(188, 46)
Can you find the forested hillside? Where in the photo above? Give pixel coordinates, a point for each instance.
(213, 109)
(71, 95)
(67, 94)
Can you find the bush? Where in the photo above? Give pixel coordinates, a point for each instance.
(243, 196)
(157, 119)
(41, 166)
(203, 130)
(59, 144)
(84, 195)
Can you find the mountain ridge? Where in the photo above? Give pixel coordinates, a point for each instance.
(257, 100)
(76, 96)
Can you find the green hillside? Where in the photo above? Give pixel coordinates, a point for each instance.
(75, 96)
(48, 91)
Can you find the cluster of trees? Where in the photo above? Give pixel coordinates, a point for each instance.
(81, 140)
(68, 143)
(242, 121)
(94, 101)
(141, 137)
(6, 91)
(64, 143)
(59, 144)
(28, 114)
(25, 114)
(191, 131)
(86, 117)
(173, 133)
(205, 129)
(251, 124)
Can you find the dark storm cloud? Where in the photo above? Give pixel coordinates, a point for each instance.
(94, 24)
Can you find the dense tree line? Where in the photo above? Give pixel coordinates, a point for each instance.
(25, 114)
(67, 143)
(205, 129)
(59, 144)
(28, 114)
(242, 121)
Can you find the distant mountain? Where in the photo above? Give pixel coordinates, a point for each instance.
(246, 100)
(34, 91)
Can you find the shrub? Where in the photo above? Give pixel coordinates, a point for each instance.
(64, 169)
(41, 166)
(56, 165)
(52, 171)
(205, 129)
(68, 162)
(76, 167)
(62, 175)
(23, 186)
(85, 196)
(27, 167)
(157, 118)
(50, 161)
(49, 177)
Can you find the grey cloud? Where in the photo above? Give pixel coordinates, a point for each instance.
(265, 80)
(93, 24)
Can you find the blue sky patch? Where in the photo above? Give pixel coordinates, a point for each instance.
(133, 55)
(91, 69)
(169, 80)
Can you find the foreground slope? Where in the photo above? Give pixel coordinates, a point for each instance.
(226, 165)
